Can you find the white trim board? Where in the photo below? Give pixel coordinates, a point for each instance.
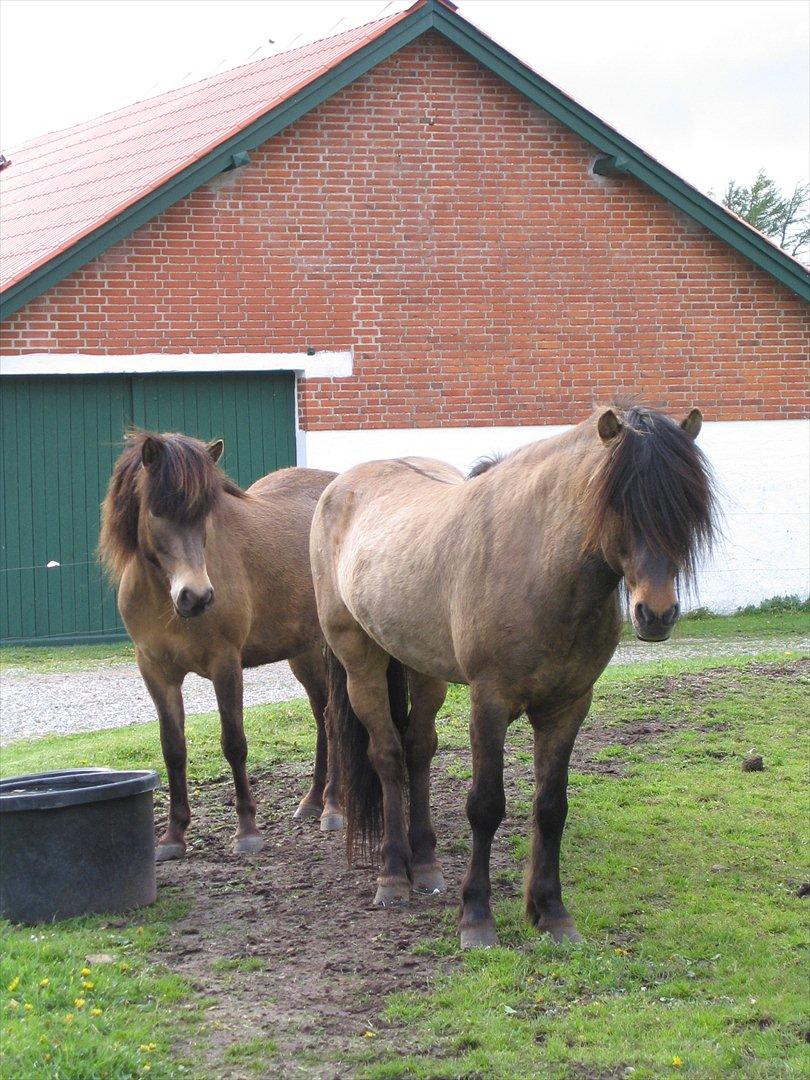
(320, 365)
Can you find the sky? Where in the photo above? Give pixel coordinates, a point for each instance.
(715, 89)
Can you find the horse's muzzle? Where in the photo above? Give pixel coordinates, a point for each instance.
(190, 604)
(650, 626)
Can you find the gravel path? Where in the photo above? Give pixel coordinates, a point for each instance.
(35, 704)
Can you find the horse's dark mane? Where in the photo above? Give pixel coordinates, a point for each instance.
(654, 480)
(484, 464)
(183, 484)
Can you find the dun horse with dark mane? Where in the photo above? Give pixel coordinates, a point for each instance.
(213, 579)
(508, 581)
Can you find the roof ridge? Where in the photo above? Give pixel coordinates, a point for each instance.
(93, 121)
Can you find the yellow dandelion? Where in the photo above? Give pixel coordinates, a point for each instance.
(96, 1012)
(85, 972)
(146, 1068)
(123, 967)
(677, 1062)
(79, 1003)
(68, 1017)
(12, 986)
(46, 1057)
(139, 930)
(369, 1034)
(13, 1004)
(621, 952)
(44, 982)
(152, 1047)
(28, 1006)
(87, 985)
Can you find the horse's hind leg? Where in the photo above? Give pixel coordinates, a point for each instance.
(366, 667)
(427, 697)
(554, 735)
(323, 798)
(167, 695)
(227, 681)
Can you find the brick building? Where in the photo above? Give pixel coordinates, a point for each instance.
(399, 239)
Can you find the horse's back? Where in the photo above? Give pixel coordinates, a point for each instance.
(292, 483)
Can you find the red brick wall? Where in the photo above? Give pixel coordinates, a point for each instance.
(447, 231)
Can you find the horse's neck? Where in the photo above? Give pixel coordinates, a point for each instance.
(546, 487)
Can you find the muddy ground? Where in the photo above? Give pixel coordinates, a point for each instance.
(287, 943)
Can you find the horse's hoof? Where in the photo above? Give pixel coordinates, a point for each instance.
(331, 822)
(482, 936)
(248, 845)
(395, 894)
(561, 930)
(428, 880)
(307, 810)
(173, 849)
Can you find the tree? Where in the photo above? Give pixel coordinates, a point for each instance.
(783, 218)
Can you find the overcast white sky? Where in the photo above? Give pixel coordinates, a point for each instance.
(713, 88)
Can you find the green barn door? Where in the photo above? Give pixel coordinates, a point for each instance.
(59, 439)
(255, 415)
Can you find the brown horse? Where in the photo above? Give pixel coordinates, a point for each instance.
(508, 581)
(213, 579)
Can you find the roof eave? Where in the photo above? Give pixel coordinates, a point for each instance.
(432, 14)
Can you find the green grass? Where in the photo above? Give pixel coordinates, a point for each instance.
(57, 658)
(682, 874)
(253, 1054)
(50, 1023)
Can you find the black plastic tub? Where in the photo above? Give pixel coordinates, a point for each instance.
(76, 842)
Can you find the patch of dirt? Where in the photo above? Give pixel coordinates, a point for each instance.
(721, 681)
(329, 959)
(318, 960)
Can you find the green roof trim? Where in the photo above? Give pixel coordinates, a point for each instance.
(617, 155)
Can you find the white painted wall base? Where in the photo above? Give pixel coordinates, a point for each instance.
(762, 468)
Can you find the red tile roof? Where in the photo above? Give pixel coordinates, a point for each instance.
(63, 185)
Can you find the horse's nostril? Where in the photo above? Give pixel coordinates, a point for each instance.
(208, 598)
(184, 600)
(643, 615)
(670, 617)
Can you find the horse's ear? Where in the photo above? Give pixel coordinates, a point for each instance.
(216, 448)
(151, 450)
(608, 426)
(693, 423)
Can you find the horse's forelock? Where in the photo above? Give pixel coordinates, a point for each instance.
(182, 483)
(654, 480)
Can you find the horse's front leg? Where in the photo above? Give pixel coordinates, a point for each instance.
(427, 697)
(228, 687)
(165, 690)
(486, 804)
(554, 735)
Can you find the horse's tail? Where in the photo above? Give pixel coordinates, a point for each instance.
(362, 791)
